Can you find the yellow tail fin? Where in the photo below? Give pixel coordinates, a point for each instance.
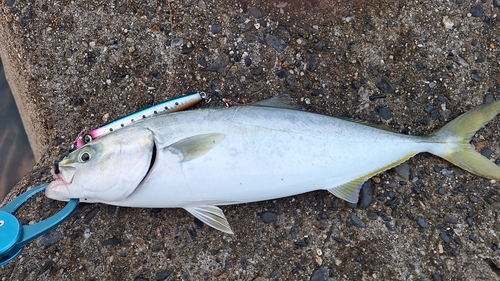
(456, 135)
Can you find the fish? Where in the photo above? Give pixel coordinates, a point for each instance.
(201, 159)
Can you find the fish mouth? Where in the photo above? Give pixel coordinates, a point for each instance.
(59, 188)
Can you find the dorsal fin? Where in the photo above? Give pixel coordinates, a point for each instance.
(281, 101)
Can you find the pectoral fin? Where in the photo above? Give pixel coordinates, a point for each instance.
(212, 216)
(195, 146)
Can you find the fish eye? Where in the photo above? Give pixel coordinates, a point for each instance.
(84, 156)
(87, 138)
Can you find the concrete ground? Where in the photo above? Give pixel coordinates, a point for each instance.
(409, 65)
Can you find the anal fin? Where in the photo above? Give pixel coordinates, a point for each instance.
(350, 191)
(211, 216)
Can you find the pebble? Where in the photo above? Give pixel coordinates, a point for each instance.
(255, 12)
(496, 3)
(384, 112)
(384, 85)
(140, 278)
(403, 170)
(257, 71)
(450, 219)
(486, 152)
(476, 78)
(268, 216)
(477, 11)
(294, 232)
(162, 275)
(445, 237)
(436, 277)
(112, 241)
(419, 66)
(282, 73)
(311, 64)
(248, 61)
(356, 221)
(277, 43)
(372, 215)
(176, 42)
(216, 29)
(217, 65)
(10, 3)
(422, 222)
(460, 2)
(320, 274)
(365, 195)
(50, 238)
(473, 238)
(432, 85)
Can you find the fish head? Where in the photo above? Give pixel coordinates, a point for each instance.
(107, 169)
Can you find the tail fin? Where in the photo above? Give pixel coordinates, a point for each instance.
(456, 135)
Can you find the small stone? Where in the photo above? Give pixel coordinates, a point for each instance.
(496, 3)
(432, 85)
(477, 11)
(257, 71)
(112, 241)
(216, 29)
(384, 112)
(162, 275)
(277, 43)
(50, 238)
(473, 238)
(320, 274)
(248, 61)
(255, 12)
(445, 237)
(365, 195)
(176, 42)
(486, 152)
(311, 64)
(476, 78)
(419, 66)
(10, 3)
(460, 2)
(436, 277)
(268, 217)
(122, 9)
(140, 278)
(217, 65)
(187, 50)
(294, 232)
(282, 73)
(403, 170)
(385, 85)
(423, 223)
(450, 219)
(356, 221)
(448, 23)
(372, 215)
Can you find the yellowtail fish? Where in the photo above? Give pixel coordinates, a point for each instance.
(201, 159)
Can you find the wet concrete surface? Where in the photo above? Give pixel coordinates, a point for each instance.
(411, 66)
(17, 158)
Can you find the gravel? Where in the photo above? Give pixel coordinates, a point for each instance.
(379, 62)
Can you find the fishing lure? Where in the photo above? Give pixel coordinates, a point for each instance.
(169, 106)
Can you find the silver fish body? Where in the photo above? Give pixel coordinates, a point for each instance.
(204, 158)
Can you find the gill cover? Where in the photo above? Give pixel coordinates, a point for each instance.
(107, 169)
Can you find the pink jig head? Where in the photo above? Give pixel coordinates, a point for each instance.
(169, 106)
